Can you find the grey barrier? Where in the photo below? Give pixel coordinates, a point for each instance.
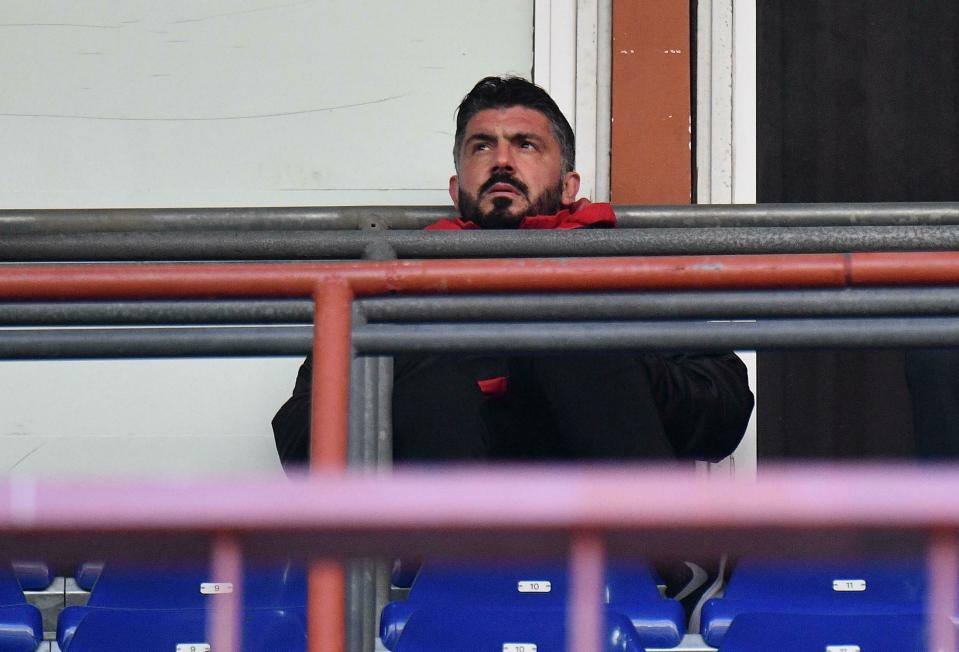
(383, 232)
(476, 337)
(386, 244)
(851, 317)
(717, 304)
(59, 221)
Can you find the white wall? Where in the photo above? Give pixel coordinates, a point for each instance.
(137, 103)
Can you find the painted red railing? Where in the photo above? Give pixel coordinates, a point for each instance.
(333, 287)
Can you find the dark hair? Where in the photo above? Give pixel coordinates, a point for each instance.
(504, 92)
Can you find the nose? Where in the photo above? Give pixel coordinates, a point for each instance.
(503, 159)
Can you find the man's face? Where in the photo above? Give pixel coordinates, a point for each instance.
(510, 167)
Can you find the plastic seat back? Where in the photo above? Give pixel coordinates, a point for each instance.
(264, 630)
(33, 575)
(120, 586)
(87, 573)
(21, 627)
(809, 586)
(505, 630)
(803, 632)
(630, 591)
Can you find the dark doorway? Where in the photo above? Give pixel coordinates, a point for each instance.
(858, 101)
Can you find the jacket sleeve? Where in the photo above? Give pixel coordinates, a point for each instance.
(704, 402)
(291, 425)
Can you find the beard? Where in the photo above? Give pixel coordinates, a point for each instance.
(499, 216)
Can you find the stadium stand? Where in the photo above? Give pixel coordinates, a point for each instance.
(509, 630)
(511, 595)
(32, 575)
(87, 573)
(888, 587)
(824, 632)
(125, 590)
(21, 629)
(183, 630)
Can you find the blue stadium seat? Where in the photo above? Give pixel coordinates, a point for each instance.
(516, 588)
(21, 627)
(87, 574)
(805, 632)
(33, 575)
(442, 630)
(404, 572)
(124, 587)
(816, 587)
(154, 630)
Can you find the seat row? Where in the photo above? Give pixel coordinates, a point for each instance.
(835, 606)
(507, 607)
(162, 608)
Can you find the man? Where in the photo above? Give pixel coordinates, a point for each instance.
(514, 157)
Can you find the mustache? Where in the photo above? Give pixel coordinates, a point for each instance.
(504, 177)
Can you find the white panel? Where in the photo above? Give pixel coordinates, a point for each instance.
(555, 53)
(744, 102)
(587, 25)
(572, 63)
(714, 156)
(113, 103)
(207, 417)
(242, 102)
(726, 141)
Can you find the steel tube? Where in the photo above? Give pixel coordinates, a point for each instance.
(314, 244)
(119, 220)
(74, 282)
(943, 568)
(355, 514)
(587, 564)
(666, 305)
(83, 313)
(887, 332)
(154, 342)
(414, 217)
(224, 619)
(329, 432)
(326, 611)
(611, 305)
(387, 339)
(329, 429)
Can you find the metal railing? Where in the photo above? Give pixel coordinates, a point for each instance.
(381, 232)
(588, 512)
(635, 303)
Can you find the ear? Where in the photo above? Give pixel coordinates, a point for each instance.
(570, 187)
(455, 191)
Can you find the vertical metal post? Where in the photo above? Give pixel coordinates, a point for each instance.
(943, 570)
(224, 623)
(326, 600)
(331, 376)
(383, 457)
(586, 575)
(357, 606)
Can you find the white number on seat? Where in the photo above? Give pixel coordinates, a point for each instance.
(842, 648)
(534, 586)
(192, 647)
(849, 585)
(213, 588)
(519, 647)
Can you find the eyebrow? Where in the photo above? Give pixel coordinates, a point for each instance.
(486, 137)
(480, 136)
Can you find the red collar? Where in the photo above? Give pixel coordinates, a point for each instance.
(580, 214)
